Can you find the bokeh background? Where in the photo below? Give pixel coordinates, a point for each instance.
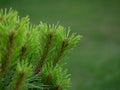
(95, 62)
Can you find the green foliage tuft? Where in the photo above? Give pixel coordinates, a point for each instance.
(30, 54)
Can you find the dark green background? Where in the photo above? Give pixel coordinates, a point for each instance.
(95, 62)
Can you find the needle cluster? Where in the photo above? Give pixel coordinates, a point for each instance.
(31, 55)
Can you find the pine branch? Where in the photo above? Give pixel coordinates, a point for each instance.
(0, 19)
(57, 87)
(48, 79)
(23, 50)
(45, 53)
(62, 49)
(30, 54)
(9, 52)
(19, 81)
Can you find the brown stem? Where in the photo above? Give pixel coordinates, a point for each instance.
(57, 87)
(47, 82)
(0, 18)
(9, 52)
(19, 81)
(23, 50)
(45, 53)
(58, 56)
(48, 79)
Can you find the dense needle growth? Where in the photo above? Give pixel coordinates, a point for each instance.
(30, 55)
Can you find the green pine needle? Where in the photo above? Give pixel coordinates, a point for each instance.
(30, 55)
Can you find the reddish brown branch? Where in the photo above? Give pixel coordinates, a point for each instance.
(23, 51)
(19, 81)
(57, 87)
(0, 18)
(45, 53)
(58, 56)
(9, 52)
(48, 79)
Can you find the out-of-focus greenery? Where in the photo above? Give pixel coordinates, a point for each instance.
(95, 63)
(6, 1)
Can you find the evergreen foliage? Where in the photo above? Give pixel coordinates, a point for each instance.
(30, 55)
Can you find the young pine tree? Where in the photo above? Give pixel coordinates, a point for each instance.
(30, 55)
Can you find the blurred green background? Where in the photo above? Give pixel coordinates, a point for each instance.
(95, 62)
